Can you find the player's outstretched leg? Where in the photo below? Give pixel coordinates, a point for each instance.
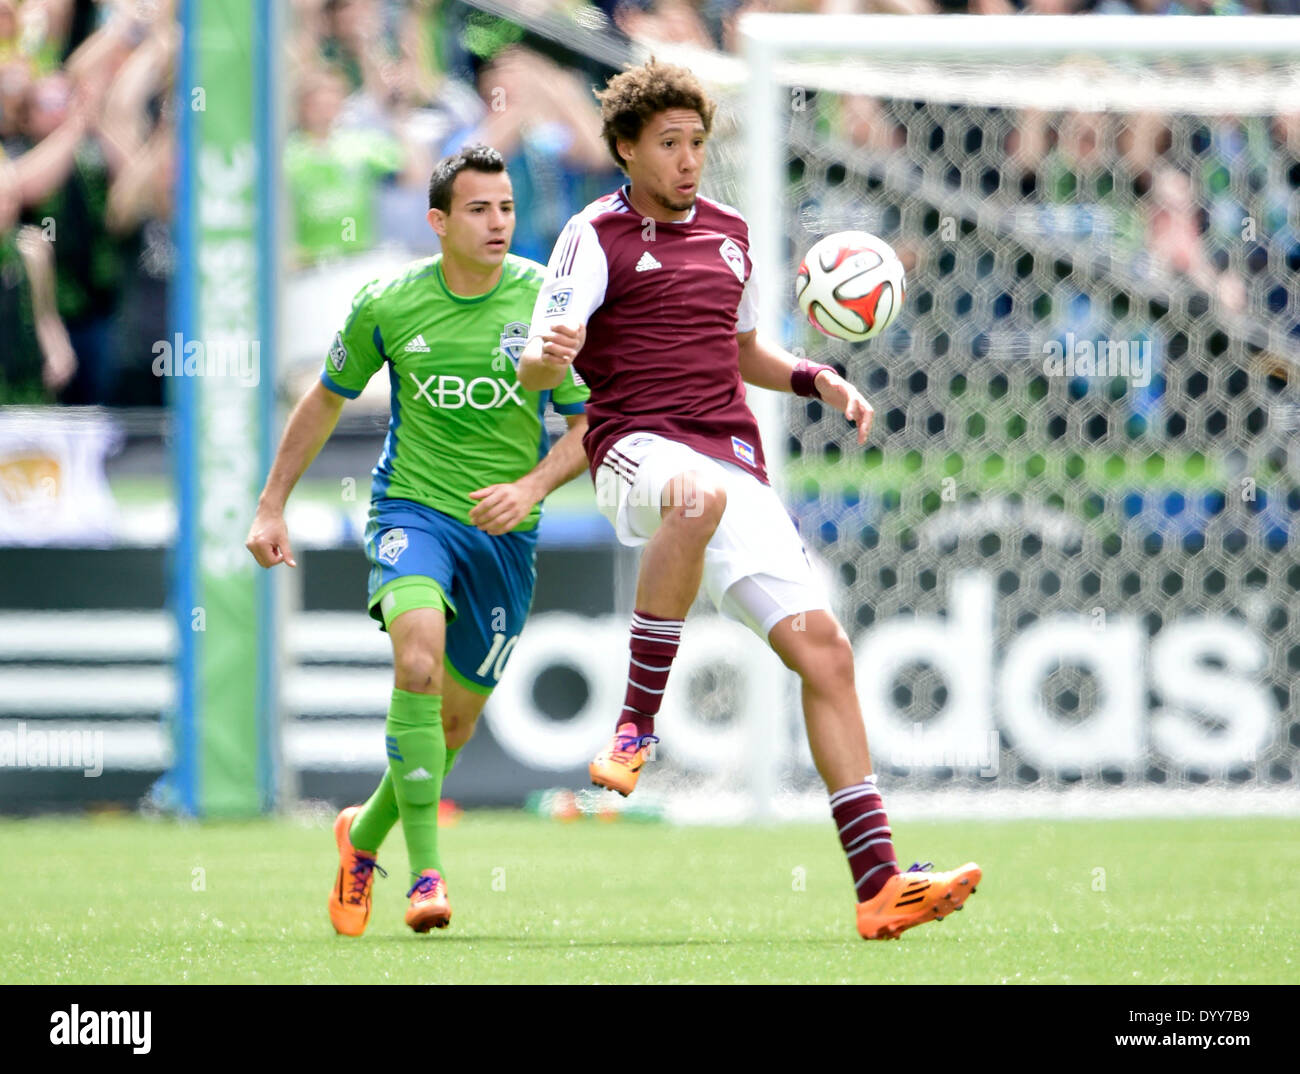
(417, 755)
(691, 507)
(890, 902)
(350, 898)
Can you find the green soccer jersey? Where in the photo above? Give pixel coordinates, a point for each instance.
(460, 420)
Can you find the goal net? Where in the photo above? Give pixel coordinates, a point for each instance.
(1068, 557)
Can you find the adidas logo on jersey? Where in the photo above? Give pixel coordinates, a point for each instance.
(417, 344)
(647, 263)
(418, 774)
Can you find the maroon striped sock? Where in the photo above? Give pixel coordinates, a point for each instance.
(864, 833)
(654, 644)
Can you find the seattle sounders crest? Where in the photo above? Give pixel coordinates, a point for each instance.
(514, 337)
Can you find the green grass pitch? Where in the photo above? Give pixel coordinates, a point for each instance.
(131, 900)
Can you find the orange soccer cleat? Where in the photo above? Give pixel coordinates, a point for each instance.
(913, 898)
(430, 908)
(618, 765)
(350, 899)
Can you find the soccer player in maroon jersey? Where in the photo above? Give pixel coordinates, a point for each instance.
(662, 280)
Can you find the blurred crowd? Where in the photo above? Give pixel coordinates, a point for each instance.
(380, 89)
(384, 89)
(85, 185)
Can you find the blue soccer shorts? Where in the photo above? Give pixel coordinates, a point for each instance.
(486, 582)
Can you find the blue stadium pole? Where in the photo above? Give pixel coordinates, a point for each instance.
(225, 724)
(266, 93)
(179, 787)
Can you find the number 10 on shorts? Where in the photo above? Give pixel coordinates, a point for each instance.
(500, 652)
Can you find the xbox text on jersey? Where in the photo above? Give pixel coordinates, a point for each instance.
(454, 393)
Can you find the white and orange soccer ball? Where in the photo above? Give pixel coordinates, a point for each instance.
(851, 285)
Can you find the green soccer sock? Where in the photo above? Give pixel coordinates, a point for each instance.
(417, 755)
(379, 815)
(371, 826)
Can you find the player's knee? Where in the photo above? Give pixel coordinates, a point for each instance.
(835, 658)
(818, 651)
(458, 728)
(711, 503)
(417, 670)
(698, 503)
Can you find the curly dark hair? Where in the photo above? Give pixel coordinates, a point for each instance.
(633, 97)
(479, 158)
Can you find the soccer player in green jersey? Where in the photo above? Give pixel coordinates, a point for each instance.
(455, 503)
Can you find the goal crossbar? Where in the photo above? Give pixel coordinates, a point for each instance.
(1035, 37)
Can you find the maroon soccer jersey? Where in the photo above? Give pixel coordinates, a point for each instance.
(662, 303)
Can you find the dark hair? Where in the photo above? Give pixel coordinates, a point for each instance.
(633, 97)
(479, 158)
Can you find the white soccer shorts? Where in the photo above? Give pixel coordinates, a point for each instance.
(755, 568)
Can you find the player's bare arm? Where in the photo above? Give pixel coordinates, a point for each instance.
(309, 426)
(502, 507)
(547, 357)
(767, 366)
(60, 359)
